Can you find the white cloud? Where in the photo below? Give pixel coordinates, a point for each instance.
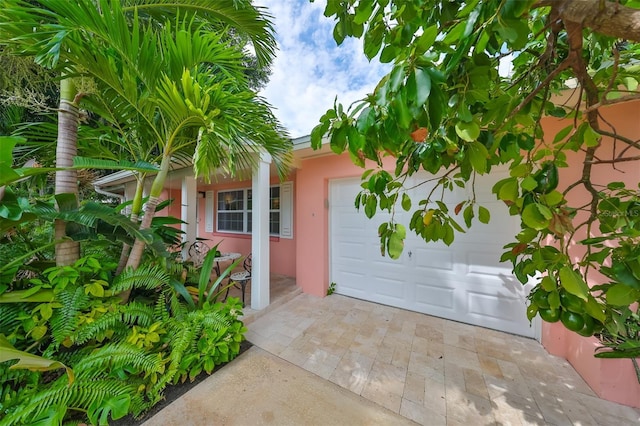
(310, 70)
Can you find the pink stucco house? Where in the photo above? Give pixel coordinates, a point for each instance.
(307, 227)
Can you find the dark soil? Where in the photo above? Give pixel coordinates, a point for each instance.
(171, 393)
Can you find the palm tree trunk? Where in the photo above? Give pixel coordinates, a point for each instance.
(67, 252)
(135, 256)
(136, 208)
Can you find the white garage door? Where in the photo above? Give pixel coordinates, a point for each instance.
(463, 282)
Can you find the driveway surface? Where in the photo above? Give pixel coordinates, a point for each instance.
(342, 361)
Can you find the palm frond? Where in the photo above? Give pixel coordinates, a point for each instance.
(96, 163)
(254, 22)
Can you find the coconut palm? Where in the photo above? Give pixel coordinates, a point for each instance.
(166, 83)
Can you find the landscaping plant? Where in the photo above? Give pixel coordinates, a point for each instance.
(97, 329)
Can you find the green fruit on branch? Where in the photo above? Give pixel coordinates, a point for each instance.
(572, 320)
(589, 326)
(541, 298)
(571, 303)
(550, 315)
(547, 178)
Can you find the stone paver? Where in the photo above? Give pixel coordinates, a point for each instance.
(260, 388)
(429, 370)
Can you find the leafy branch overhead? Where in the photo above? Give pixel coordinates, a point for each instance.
(532, 86)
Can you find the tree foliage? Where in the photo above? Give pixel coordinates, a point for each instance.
(448, 108)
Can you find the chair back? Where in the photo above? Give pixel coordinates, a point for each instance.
(197, 252)
(247, 264)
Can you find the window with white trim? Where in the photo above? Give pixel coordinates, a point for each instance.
(233, 210)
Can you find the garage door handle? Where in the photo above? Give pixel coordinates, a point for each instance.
(409, 255)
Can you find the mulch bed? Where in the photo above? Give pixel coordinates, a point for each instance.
(171, 393)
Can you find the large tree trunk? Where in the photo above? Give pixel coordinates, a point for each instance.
(67, 252)
(601, 16)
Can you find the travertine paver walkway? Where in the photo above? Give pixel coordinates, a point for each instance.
(431, 370)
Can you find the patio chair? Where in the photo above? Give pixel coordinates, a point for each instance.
(197, 252)
(242, 278)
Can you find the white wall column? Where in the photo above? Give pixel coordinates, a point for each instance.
(189, 202)
(260, 234)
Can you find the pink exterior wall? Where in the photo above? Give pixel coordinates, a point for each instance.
(312, 218)
(282, 256)
(611, 379)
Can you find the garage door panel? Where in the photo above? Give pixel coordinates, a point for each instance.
(350, 250)
(486, 264)
(463, 282)
(434, 295)
(389, 288)
(432, 258)
(504, 313)
(351, 282)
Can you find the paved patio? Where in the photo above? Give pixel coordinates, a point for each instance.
(338, 360)
(430, 370)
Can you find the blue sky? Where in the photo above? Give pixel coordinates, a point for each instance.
(310, 70)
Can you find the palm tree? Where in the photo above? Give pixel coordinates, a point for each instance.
(154, 80)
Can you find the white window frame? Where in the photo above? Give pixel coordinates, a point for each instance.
(285, 210)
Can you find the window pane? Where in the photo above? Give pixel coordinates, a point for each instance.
(230, 221)
(249, 200)
(274, 201)
(230, 200)
(274, 223)
(249, 223)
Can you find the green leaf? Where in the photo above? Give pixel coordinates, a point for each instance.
(508, 191)
(366, 120)
(573, 283)
(554, 299)
(478, 156)
(370, 206)
(373, 40)
(468, 131)
(532, 311)
(396, 78)
(591, 137)
(423, 85)
(483, 214)
(426, 40)
(468, 215)
(533, 218)
(27, 361)
(448, 235)
(528, 183)
(395, 245)
(563, 133)
(21, 296)
(622, 295)
(595, 309)
(547, 284)
(553, 198)
(7, 143)
(406, 202)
